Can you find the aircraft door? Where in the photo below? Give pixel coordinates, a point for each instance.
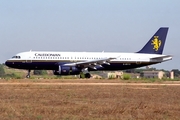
(29, 60)
(138, 61)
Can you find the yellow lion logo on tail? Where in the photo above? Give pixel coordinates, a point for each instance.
(156, 43)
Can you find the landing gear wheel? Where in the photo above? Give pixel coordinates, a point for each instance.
(87, 75)
(28, 75)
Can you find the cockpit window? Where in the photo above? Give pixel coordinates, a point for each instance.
(17, 57)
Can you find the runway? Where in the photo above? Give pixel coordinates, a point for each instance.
(93, 84)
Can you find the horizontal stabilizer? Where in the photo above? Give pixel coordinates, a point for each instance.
(161, 58)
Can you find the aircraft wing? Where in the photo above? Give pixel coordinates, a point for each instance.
(90, 63)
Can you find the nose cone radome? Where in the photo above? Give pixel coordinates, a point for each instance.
(12, 64)
(7, 63)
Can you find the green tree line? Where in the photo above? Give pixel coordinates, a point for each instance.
(2, 72)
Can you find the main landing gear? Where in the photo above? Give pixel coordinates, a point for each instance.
(28, 75)
(85, 73)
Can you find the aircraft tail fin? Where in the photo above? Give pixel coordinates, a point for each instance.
(156, 44)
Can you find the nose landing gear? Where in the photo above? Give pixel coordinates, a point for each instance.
(28, 75)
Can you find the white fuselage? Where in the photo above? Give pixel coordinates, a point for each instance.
(73, 57)
(85, 56)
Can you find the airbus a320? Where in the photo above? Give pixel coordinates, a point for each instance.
(74, 63)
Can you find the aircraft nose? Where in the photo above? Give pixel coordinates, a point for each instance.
(8, 63)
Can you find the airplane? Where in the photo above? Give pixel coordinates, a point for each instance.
(81, 63)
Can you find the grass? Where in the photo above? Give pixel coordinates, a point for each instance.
(76, 102)
(20, 74)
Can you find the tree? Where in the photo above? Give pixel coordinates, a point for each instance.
(176, 72)
(126, 76)
(2, 72)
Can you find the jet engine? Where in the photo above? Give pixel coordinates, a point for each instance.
(66, 70)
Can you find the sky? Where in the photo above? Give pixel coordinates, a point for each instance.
(88, 25)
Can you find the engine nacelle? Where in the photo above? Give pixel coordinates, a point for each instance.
(66, 70)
